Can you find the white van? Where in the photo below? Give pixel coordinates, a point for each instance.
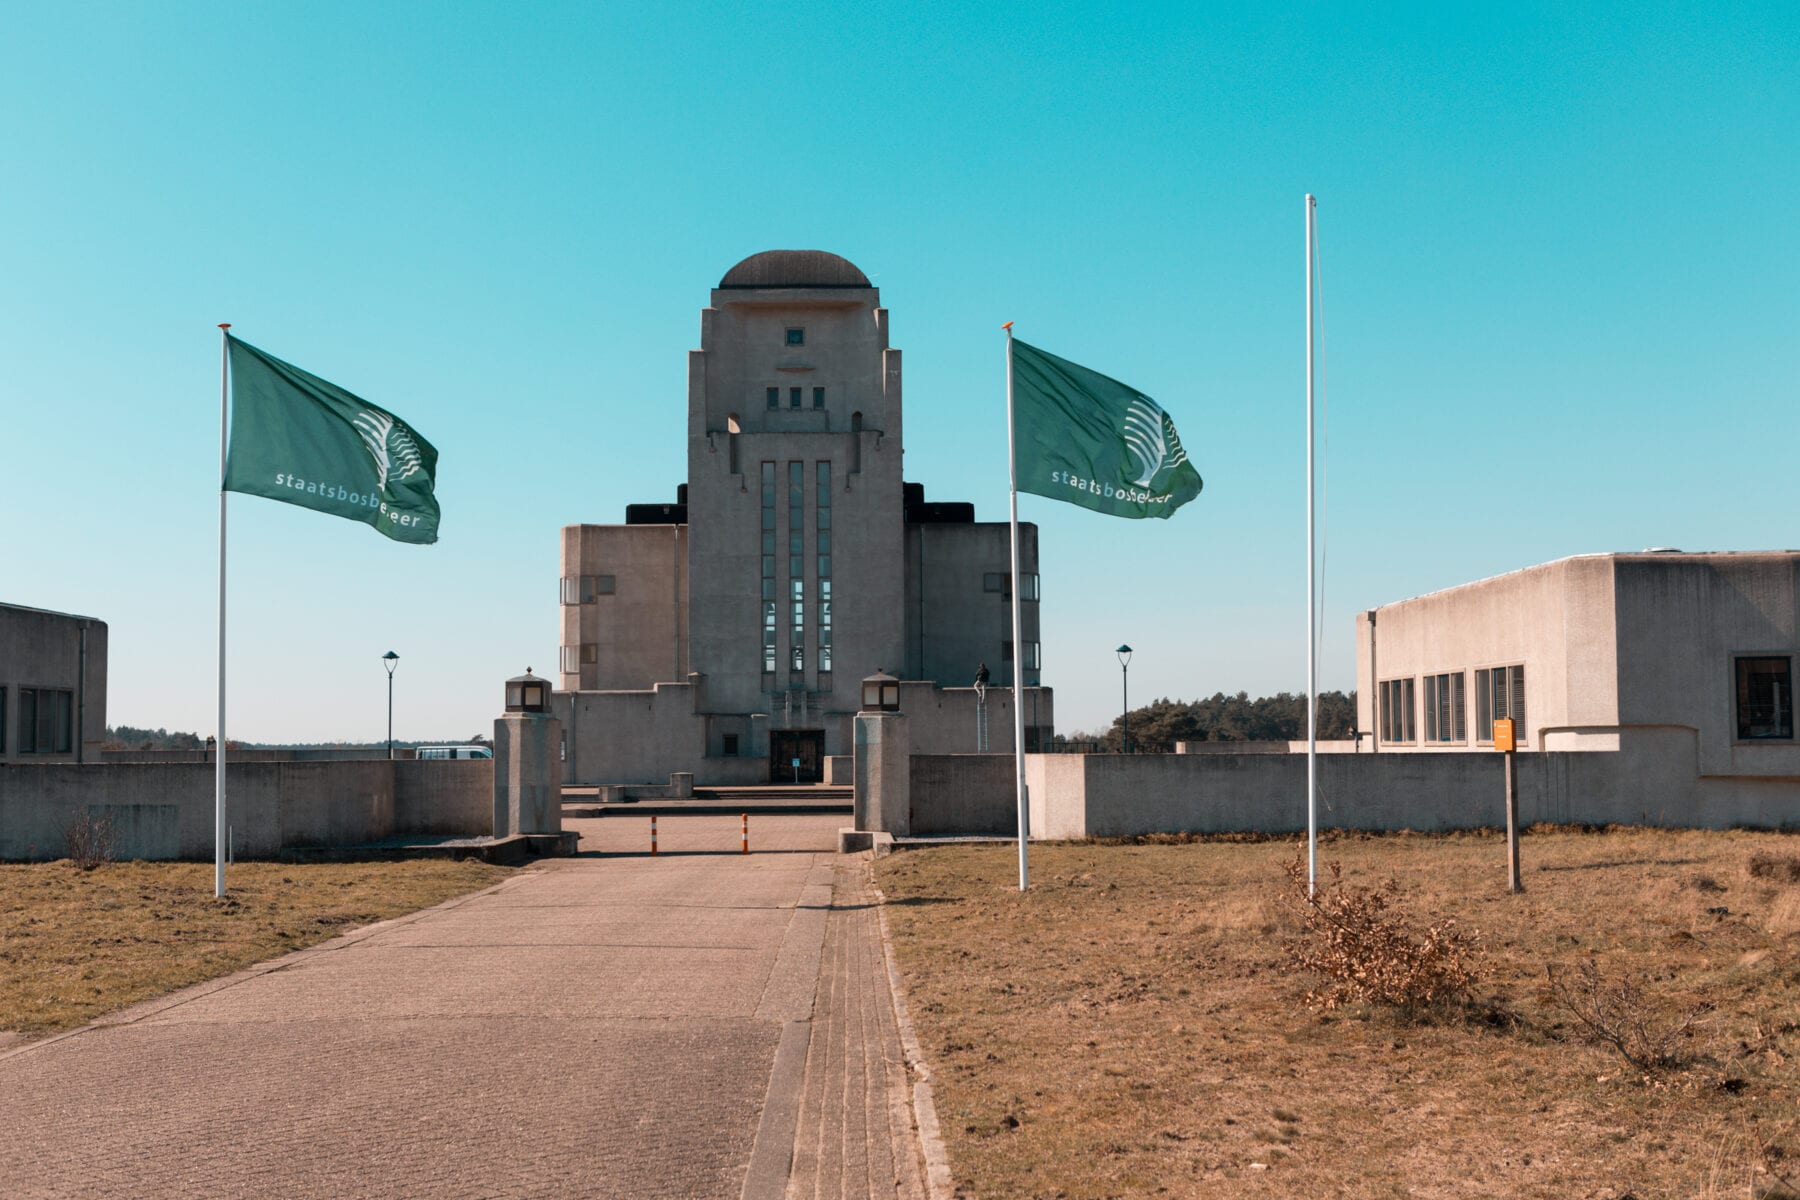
(454, 752)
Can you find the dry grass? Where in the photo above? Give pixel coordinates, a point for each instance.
(78, 943)
(1130, 1027)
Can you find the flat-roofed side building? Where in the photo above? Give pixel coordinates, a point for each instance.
(1669, 655)
(52, 686)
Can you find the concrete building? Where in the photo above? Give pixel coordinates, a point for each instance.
(726, 634)
(52, 686)
(1683, 661)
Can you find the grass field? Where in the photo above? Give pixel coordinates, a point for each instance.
(75, 944)
(1130, 1026)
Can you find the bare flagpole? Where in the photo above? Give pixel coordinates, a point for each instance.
(219, 752)
(1018, 630)
(1312, 627)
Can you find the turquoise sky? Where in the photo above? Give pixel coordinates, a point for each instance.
(1558, 247)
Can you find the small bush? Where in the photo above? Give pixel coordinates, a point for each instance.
(1640, 1026)
(89, 841)
(1367, 949)
(1783, 868)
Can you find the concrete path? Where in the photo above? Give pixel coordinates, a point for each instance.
(698, 1024)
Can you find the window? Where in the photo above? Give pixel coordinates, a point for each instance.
(1033, 658)
(768, 565)
(794, 397)
(2, 720)
(774, 397)
(1765, 698)
(796, 337)
(730, 748)
(1499, 692)
(575, 657)
(1446, 717)
(46, 721)
(818, 397)
(582, 589)
(1001, 581)
(822, 509)
(1397, 711)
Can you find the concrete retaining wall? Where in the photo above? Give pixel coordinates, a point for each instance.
(963, 794)
(165, 810)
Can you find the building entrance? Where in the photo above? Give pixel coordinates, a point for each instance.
(790, 746)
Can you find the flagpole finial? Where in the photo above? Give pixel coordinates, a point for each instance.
(224, 324)
(1008, 325)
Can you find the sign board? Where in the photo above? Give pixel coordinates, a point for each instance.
(1503, 734)
(1509, 746)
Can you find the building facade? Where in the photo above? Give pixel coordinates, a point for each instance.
(52, 686)
(727, 633)
(1684, 662)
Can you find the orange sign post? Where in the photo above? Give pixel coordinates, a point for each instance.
(1505, 742)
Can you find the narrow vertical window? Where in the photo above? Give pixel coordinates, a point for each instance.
(822, 507)
(774, 397)
(797, 562)
(768, 567)
(818, 397)
(794, 397)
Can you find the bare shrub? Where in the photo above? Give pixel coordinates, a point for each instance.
(1367, 949)
(1783, 868)
(89, 841)
(1644, 1028)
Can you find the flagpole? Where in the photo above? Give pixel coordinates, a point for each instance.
(1312, 627)
(1018, 629)
(219, 753)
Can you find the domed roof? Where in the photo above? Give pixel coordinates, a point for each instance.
(795, 269)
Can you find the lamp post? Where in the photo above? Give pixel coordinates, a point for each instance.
(390, 660)
(1124, 653)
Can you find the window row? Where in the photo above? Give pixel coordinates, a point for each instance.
(1442, 717)
(46, 721)
(576, 657)
(584, 589)
(795, 397)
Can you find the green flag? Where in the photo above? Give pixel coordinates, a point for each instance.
(1093, 441)
(297, 438)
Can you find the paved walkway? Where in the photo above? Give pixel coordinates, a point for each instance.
(698, 1024)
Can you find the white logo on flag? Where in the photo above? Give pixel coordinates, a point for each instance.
(1150, 437)
(391, 445)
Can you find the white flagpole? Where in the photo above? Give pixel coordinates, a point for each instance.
(1018, 629)
(219, 753)
(1312, 653)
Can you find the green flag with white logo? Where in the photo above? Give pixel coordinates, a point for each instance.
(1082, 437)
(297, 438)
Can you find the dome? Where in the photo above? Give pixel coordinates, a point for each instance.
(795, 269)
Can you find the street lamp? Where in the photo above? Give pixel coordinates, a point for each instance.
(390, 660)
(1124, 653)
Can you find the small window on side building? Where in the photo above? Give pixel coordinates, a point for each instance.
(796, 337)
(730, 749)
(1765, 698)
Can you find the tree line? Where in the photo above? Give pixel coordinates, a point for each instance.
(1157, 726)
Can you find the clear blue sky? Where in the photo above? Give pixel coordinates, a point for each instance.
(1559, 254)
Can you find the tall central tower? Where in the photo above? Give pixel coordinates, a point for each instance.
(794, 422)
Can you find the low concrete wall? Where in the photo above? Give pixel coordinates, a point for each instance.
(840, 770)
(956, 794)
(247, 754)
(165, 810)
(1651, 782)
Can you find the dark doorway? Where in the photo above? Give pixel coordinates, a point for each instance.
(788, 746)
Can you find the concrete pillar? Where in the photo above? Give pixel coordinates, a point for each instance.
(527, 774)
(883, 774)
